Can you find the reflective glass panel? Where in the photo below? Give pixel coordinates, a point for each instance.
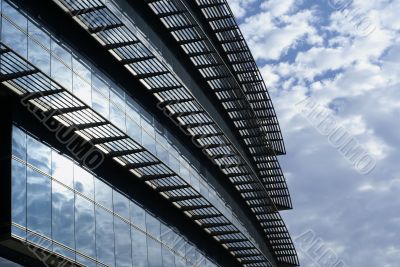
(168, 257)
(123, 249)
(38, 203)
(139, 248)
(11, 35)
(103, 194)
(104, 237)
(153, 226)
(154, 253)
(83, 182)
(39, 155)
(138, 216)
(84, 226)
(18, 143)
(62, 169)
(63, 217)
(121, 205)
(18, 189)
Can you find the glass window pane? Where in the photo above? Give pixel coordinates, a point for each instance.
(61, 66)
(162, 153)
(11, 36)
(39, 34)
(117, 116)
(117, 96)
(18, 189)
(84, 226)
(61, 53)
(62, 168)
(104, 236)
(103, 194)
(39, 56)
(100, 104)
(63, 215)
(154, 253)
(82, 89)
(139, 248)
(82, 69)
(138, 216)
(168, 257)
(153, 226)
(132, 109)
(123, 249)
(39, 155)
(148, 142)
(101, 86)
(83, 182)
(121, 205)
(180, 262)
(38, 203)
(85, 262)
(134, 130)
(18, 143)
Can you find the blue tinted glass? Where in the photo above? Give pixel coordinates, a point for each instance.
(139, 248)
(85, 262)
(60, 66)
(82, 70)
(100, 104)
(174, 163)
(153, 226)
(154, 253)
(39, 35)
(82, 89)
(61, 74)
(104, 237)
(61, 53)
(117, 116)
(138, 216)
(168, 257)
(62, 168)
(12, 36)
(101, 86)
(134, 130)
(123, 249)
(39, 56)
(103, 194)
(84, 226)
(83, 182)
(180, 262)
(121, 205)
(162, 153)
(18, 204)
(19, 143)
(117, 96)
(132, 109)
(63, 215)
(39, 155)
(148, 142)
(38, 203)
(148, 126)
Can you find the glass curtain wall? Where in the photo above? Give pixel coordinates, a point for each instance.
(59, 206)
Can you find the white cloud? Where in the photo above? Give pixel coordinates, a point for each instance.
(361, 76)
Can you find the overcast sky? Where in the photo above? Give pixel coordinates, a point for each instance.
(345, 56)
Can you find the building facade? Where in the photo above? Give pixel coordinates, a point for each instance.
(136, 133)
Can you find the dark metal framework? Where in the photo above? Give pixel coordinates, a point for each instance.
(242, 97)
(119, 36)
